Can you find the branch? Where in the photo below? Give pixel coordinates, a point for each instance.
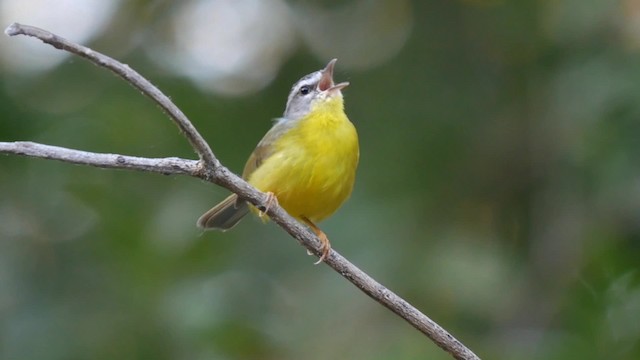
(209, 169)
(165, 166)
(130, 76)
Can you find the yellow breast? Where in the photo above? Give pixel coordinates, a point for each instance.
(312, 167)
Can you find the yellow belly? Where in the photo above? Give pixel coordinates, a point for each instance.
(312, 168)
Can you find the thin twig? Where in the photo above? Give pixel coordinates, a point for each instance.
(130, 76)
(173, 166)
(210, 169)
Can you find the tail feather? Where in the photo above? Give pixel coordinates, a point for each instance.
(225, 215)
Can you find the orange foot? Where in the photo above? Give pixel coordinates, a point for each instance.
(326, 245)
(271, 200)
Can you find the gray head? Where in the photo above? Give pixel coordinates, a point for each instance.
(311, 87)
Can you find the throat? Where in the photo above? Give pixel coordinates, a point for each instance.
(328, 114)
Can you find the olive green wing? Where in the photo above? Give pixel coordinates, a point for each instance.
(266, 146)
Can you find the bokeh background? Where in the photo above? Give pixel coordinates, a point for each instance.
(498, 189)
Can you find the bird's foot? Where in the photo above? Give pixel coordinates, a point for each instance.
(324, 241)
(271, 200)
(326, 247)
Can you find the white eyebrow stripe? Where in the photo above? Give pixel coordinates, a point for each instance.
(310, 79)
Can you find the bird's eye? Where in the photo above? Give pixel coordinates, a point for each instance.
(305, 90)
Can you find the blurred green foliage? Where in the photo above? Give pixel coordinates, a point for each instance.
(498, 191)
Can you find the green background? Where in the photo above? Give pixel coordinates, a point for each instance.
(498, 192)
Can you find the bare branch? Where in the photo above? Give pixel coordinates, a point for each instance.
(211, 170)
(130, 76)
(111, 161)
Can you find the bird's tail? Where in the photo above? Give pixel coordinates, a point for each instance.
(225, 215)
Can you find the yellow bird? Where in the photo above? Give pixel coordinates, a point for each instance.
(307, 161)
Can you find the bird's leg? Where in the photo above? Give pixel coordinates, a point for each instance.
(271, 200)
(326, 245)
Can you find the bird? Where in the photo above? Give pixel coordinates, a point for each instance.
(306, 162)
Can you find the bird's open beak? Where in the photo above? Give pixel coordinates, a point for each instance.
(326, 81)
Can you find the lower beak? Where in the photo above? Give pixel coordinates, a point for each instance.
(338, 87)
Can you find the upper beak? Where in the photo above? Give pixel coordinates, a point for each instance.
(326, 81)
